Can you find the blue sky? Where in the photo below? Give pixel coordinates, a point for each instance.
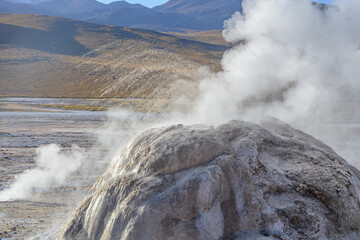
(148, 3)
(152, 3)
(324, 1)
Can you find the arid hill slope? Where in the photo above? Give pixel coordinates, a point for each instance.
(211, 36)
(43, 56)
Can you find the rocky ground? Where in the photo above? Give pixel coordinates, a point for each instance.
(287, 167)
(23, 130)
(236, 181)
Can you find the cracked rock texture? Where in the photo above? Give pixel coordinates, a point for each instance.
(236, 181)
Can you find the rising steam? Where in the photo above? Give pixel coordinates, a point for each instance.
(52, 169)
(293, 61)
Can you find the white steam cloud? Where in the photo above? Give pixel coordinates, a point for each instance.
(293, 61)
(52, 169)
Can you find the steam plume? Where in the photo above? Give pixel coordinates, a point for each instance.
(292, 61)
(295, 56)
(52, 169)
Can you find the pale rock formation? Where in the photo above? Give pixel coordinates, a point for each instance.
(236, 181)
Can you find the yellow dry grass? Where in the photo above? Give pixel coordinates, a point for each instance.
(109, 61)
(211, 36)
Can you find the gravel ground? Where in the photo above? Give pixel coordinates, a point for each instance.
(23, 130)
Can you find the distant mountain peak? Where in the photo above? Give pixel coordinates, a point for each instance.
(124, 4)
(197, 6)
(45, 1)
(175, 15)
(214, 12)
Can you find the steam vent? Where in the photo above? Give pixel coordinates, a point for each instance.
(237, 181)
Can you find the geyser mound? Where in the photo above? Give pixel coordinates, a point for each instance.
(236, 181)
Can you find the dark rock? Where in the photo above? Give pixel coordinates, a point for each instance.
(237, 181)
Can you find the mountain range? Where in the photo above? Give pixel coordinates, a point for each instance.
(43, 56)
(175, 15)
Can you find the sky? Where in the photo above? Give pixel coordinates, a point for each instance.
(324, 1)
(153, 3)
(148, 3)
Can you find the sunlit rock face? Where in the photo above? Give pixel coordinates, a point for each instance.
(236, 181)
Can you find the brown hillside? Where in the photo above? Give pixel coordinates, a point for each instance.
(211, 36)
(44, 56)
